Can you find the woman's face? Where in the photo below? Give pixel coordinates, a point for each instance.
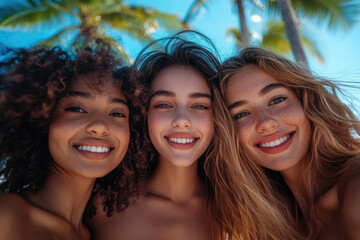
(270, 120)
(89, 133)
(180, 117)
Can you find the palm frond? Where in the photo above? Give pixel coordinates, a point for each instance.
(25, 16)
(140, 22)
(57, 38)
(193, 10)
(236, 35)
(334, 13)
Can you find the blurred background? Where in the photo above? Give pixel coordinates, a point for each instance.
(325, 34)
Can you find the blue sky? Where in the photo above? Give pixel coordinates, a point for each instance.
(341, 50)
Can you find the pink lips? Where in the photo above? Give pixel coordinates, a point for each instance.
(279, 146)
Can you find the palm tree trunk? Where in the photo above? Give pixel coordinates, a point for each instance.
(292, 31)
(245, 35)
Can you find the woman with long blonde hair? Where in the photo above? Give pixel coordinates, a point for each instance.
(196, 188)
(301, 135)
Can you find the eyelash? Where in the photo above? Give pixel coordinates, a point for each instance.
(277, 100)
(200, 107)
(80, 110)
(117, 114)
(238, 115)
(162, 105)
(75, 109)
(273, 101)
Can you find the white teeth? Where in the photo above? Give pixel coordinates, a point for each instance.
(93, 149)
(182, 140)
(276, 142)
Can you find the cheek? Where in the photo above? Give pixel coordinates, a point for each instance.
(154, 122)
(243, 131)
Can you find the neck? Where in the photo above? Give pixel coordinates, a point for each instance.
(65, 196)
(175, 183)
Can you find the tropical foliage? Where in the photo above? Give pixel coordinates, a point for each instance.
(334, 14)
(88, 19)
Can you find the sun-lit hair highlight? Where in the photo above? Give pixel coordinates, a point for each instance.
(335, 142)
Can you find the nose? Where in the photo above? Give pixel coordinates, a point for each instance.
(181, 119)
(266, 123)
(97, 125)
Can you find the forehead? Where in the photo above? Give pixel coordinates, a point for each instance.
(248, 79)
(96, 86)
(180, 78)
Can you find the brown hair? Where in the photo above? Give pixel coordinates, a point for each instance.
(335, 146)
(237, 205)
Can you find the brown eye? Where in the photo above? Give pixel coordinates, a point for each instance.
(117, 114)
(75, 109)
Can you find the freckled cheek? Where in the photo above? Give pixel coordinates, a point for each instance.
(243, 131)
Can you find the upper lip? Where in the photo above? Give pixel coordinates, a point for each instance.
(272, 137)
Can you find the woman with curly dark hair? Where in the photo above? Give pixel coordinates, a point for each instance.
(197, 187)
(66, 121)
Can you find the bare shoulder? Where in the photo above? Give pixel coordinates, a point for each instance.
(349, 205)
(13, 213)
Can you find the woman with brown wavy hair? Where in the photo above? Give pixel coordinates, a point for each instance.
(196, 186)
(304, 137)
(65, 121)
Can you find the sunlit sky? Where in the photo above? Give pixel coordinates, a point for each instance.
(340, 49)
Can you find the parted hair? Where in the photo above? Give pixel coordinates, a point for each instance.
(237, 205)
(335, 145)
(32, 83)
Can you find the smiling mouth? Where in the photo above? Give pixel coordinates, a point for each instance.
(182, 140)
(276, 142)
(87, 148)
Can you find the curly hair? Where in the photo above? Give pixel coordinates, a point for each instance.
(32, 83)
(335, 144)
(238, 204)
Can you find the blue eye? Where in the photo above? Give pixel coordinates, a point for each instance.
(241, 115)
(162, 105)
(277, 100)
(116, 114)
(199, 106)
(75, 109)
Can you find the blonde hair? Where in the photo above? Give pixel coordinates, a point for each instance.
(334, 148)
(243, 203)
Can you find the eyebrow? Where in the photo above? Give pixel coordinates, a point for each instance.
(172, 94)
(270, 87)
(262, 92)
(89, 96)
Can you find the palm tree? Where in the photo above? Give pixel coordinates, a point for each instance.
(335, 13)
(275, 39)
(245, 33)
(88, 20)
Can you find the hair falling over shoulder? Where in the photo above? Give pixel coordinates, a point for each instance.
(335, 143)
(243, 203)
